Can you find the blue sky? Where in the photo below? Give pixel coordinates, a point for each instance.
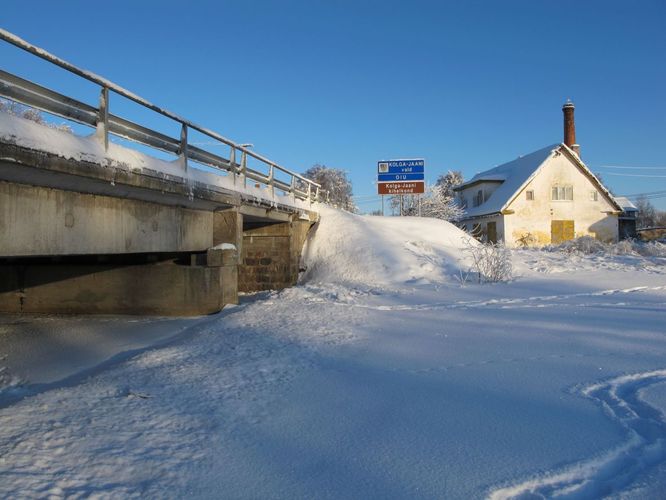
(465, 85)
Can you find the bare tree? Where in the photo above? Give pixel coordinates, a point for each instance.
(647, 214)
(440, 204)
(409, 203)
(335, 183)
(438, 200)
(32, 114)
(446, 182)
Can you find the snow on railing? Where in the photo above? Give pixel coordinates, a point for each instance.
(33, 95)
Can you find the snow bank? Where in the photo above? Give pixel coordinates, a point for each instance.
(381, 251)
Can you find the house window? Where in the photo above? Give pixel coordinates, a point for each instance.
(529, 195)
(478, 199)
(594, 196)
(562, 193)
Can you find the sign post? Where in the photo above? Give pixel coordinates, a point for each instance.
(401, 177)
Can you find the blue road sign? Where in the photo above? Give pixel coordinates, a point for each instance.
(400, 177)
(400, 166)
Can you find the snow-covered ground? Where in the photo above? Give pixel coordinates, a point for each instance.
(385, 374)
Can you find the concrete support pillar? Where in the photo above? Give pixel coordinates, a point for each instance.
(228, 228)
(227, 231)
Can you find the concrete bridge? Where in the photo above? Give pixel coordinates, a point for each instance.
(90, 226)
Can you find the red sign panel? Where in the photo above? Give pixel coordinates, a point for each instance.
(401, 187)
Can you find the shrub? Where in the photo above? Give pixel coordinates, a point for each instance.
(589, 245)
(490, 261)
(584, 244)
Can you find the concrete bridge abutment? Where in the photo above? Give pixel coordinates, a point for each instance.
(81, 253)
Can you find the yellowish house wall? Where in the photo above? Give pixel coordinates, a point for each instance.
(531, 220)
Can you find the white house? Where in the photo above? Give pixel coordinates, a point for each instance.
(547, 196)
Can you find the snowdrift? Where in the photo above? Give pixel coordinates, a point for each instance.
(380, 251)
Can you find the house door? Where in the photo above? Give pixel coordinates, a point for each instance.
(561, 230)
(492, 232)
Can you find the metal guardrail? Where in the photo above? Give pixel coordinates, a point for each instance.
(28, 93)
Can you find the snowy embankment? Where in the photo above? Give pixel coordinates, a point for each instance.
(381, 375)
(383, 251)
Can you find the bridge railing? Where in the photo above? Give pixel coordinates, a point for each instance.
(33, 95)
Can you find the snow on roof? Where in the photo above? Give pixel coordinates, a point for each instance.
(513, 174)
(626, 205)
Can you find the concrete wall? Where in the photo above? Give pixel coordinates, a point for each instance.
(534, 217)
(160, 288)
(38, 221)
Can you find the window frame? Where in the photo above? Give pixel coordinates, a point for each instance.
(561, 192)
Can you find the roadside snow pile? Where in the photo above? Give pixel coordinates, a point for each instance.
(380, 251)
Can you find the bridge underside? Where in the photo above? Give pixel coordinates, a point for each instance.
(85, 238)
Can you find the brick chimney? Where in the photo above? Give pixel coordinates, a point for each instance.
(570, 127)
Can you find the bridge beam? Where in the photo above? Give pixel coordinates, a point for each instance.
(40, 221)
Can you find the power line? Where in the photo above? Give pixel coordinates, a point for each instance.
(632, 168)
(636, 175)
(654, 196)
(644, 194)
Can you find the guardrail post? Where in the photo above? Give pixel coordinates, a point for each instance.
(183, 146)
(103, 117)
(271, 177)
(317, 194)
(232, 163)
(244, 167)
(310, 193)
(292, 189)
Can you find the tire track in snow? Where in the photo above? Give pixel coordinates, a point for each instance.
(541, 300)
(615, 469)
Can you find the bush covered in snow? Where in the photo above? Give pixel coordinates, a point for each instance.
(589, 245)
(584, 244)
(491, 262)
(649, 249)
